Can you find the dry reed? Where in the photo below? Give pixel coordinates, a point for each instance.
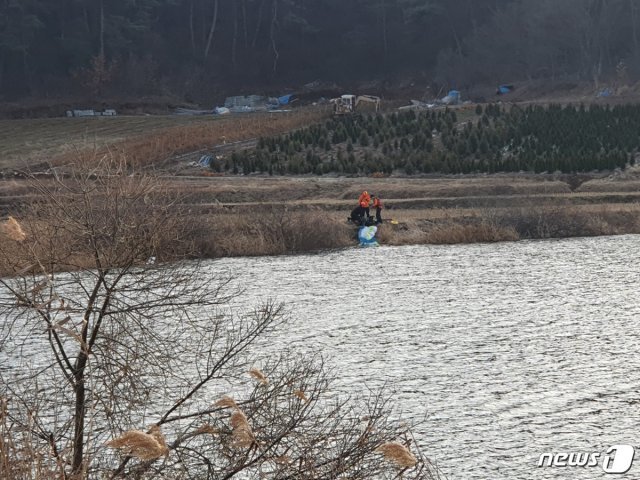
(301, 395)
(277, 231)
(272, 232)
(258, 375)
(144, 446)
(398, 454)
(207, 429)
(12, 229)
(483, 232)
(242, 433)
(226, 402)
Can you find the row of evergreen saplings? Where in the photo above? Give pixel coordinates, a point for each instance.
(539, 139)
(351, 145)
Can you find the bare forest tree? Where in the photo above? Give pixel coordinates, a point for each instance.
(583, 40)
(121, 358)
(195, 47)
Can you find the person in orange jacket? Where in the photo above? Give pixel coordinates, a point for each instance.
(377, 204)
(364, 201)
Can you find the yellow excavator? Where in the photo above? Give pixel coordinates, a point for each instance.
(347, 104)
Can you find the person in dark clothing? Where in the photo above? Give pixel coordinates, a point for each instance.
(358, 215)
(377, 204)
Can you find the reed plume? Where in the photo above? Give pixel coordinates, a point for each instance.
(258, 375)
(283, 460)
(397, 453)
(144, 446)
(227, 402)
(207, 428)
(13, 230)
(243, 436)
(300, 394)
(242, 433)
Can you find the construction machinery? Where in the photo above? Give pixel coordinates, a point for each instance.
(348, 104)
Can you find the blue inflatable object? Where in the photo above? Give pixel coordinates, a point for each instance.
(367, 236)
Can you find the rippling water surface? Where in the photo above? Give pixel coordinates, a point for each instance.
(512, 349)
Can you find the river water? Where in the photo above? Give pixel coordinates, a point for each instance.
(512, 350)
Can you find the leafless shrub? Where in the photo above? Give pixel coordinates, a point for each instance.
(272, 231)
(108, 328)
(567, 221)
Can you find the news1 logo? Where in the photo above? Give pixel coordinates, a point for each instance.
(617, 459)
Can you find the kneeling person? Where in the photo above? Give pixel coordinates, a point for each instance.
(358, 215)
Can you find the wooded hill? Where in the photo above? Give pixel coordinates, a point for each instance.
(197, 48)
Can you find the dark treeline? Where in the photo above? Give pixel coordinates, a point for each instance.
(189, 47)
(531, 139)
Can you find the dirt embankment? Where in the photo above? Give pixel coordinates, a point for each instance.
(269, 215)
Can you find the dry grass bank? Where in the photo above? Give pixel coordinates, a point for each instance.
(272, 232)
(448, 226)
(272, 216)
(277, 231)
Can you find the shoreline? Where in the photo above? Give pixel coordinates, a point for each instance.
(231, 234)
(250, 216)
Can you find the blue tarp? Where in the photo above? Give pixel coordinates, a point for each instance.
(504, 89)
(285, 99)
(205, 161)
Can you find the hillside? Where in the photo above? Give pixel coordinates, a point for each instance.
(199, 51)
